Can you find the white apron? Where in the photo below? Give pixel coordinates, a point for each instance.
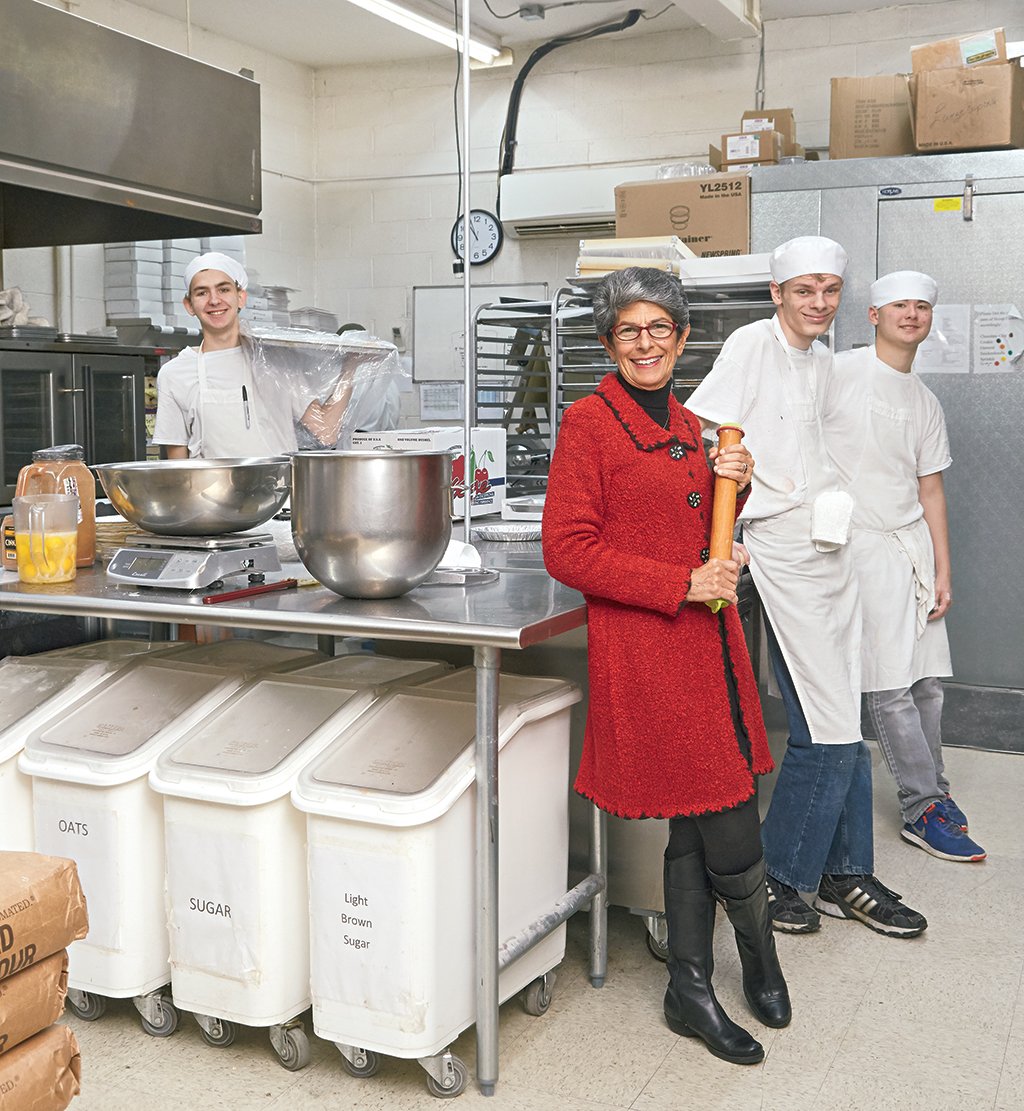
(229, 421)
(900, 644)
(810, 597)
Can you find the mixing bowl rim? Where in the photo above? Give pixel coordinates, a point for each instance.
(140, 465)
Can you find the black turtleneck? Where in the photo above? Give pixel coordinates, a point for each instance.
(653, 402)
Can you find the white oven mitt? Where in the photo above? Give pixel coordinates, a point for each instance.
(831, 516)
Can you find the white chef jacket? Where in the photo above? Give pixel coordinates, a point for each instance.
(885, 429)
(810, 597)
(181, 405)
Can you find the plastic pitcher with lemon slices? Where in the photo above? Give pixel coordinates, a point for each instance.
(46, 537)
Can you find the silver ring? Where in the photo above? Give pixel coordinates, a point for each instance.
(744, 468)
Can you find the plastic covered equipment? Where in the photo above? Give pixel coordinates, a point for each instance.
(336, 385)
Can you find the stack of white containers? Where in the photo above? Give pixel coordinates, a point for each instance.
(391, 850)
(133, 281)
(238, 901)
(177, 254)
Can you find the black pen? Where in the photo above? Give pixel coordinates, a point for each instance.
(245, 406)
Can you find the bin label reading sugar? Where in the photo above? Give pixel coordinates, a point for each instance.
(213, 884)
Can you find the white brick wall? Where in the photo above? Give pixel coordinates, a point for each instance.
(358, 174)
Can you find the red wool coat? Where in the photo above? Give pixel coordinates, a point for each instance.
(626, 518)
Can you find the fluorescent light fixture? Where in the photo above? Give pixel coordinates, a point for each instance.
(447, 36)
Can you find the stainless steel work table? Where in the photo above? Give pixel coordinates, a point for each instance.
(522, 608)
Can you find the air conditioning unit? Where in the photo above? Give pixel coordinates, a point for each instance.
(579, 203)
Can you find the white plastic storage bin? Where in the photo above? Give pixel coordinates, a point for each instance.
(250, 657)
(390, 831)
(238, 902)
(31, 688)
(362, 669)
(91, 801)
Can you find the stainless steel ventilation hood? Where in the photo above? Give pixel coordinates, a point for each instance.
(105, 138)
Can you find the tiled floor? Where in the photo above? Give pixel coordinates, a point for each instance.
(879, 1023)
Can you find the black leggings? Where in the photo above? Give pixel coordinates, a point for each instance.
(729, 839)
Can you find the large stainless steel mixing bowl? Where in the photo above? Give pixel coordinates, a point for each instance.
(197, 497)
(371, 524)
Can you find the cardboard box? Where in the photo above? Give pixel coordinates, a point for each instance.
(753, 147)
(969, 109)
(485, 476)
(42, 909)
(983, 48)
(43, 1073)
(772, 119)
(32, 999)
(711, 215)
(871, 117)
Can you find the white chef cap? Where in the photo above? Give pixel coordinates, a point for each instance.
(807, 254)
(214, 260)
(903, 285)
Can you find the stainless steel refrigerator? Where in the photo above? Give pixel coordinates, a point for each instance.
(960, 218)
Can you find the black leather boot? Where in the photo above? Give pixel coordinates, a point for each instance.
(746, 904)
(691, 1008)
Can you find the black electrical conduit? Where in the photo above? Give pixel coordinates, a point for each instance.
(508, 135)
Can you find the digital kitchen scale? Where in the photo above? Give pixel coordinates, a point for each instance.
(193, 562)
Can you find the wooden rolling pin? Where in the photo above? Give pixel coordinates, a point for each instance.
(723, 513)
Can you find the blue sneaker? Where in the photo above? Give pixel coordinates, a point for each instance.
(939, 835)
(954, 813)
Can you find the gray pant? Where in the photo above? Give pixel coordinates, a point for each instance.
(908, 724)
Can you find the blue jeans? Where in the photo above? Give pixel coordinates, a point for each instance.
(820, 819)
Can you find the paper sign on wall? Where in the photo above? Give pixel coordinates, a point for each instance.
(947, 350)
(998, 338)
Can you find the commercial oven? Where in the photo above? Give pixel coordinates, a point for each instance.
(55, 392)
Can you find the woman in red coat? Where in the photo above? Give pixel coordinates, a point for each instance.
(674, 727)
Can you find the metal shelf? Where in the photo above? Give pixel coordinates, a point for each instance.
(534, 359)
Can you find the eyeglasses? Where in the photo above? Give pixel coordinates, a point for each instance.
(660, 329)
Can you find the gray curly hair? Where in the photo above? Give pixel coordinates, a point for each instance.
(621, 288)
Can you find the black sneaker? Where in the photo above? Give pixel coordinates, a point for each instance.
(788, 911)
(866, 900)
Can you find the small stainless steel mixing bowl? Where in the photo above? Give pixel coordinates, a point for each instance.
(197, 497)
(371, 524)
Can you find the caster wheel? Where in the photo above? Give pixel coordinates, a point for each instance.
(460, 1075)
(88, 1007)
(168, 1021)
(224, 1038)
(369, 1067)
(296, 1052)
(537, 995)
(657, 949)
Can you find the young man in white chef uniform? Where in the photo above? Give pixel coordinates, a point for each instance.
(208, 403)
(887, 438)
(771, 377)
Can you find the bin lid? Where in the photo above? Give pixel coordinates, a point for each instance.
(511, 688)
(29, 685)
(365, 669)
(245, 655)
(114, 732)
(250, 749)
(120, 648)
(408, 759)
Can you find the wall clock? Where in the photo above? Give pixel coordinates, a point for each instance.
(485, 237)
